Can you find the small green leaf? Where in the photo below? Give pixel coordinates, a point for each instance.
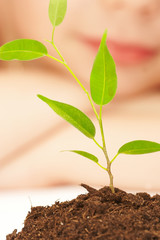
(22, 49)
(57, 11)
(85, 154)
(72, 115)
(103, 79)
(139, 147)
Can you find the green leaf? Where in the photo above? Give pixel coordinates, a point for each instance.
(22, 49)
(57, 11)
(85, 154)
(139, 147)
(72, 115)
(103, 79)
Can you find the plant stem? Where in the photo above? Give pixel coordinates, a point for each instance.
(53, 33)
(56, 59)
(58, 51)
(87, 93)
(75, 77)
(105, 152)
(99, 117)
(114, 157)
(102, 167)
(109, 171)
(97, 144)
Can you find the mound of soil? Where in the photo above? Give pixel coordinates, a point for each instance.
(98, 215)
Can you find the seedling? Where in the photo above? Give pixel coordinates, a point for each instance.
(103, 85)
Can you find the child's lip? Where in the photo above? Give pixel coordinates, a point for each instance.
(122, 53)
(129, 53)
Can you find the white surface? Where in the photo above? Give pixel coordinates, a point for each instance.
(14, 205)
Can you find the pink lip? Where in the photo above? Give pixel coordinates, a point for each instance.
(123, 54)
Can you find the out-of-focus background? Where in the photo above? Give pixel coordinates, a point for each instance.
(31, 135)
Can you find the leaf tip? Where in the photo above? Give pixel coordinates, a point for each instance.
(39, 96)
(42, 97)
(105, 34)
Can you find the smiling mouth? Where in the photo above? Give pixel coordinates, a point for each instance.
(123, 54)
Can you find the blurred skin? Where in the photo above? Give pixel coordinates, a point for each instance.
(133, 36)
(134, 42)
(2, 20)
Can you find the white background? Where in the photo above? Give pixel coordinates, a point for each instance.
(14, 205)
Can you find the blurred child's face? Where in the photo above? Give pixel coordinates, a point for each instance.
(133, 36)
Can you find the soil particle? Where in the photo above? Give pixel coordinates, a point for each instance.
(98, 215)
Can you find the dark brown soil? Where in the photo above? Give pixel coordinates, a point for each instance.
(97, 215)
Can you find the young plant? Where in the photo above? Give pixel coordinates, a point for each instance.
(103, 85)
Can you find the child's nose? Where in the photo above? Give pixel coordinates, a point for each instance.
(145, 7)
(141, 7)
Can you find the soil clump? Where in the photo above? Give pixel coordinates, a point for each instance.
(97, 215)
